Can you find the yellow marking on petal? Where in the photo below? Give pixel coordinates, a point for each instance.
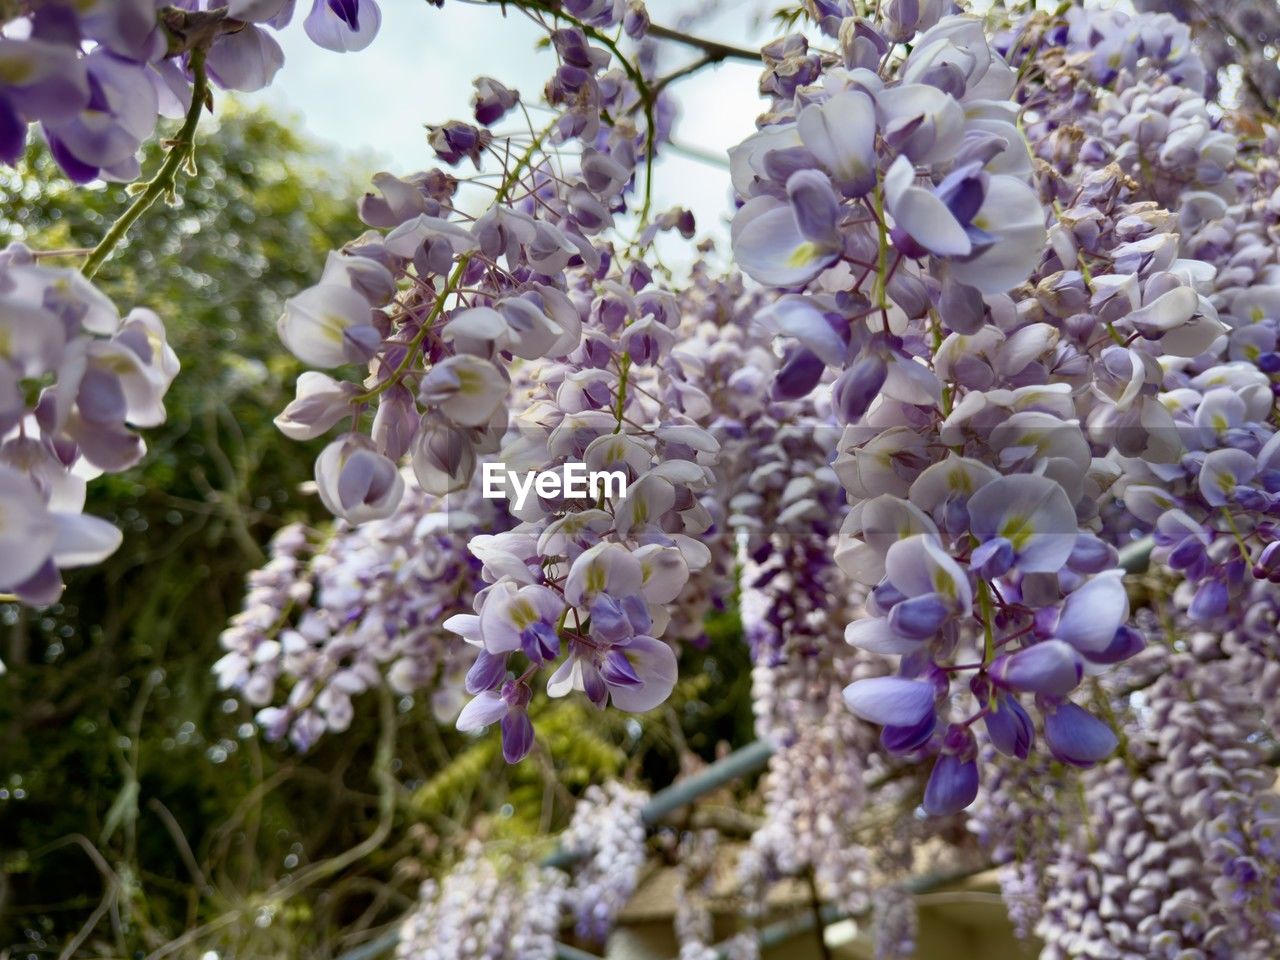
(595, 579)
(522, 614)
(469, 383)
(943, 584)
(16, 72)
(804, 254)
(1018, 531)
(332, 326)
(117, 364)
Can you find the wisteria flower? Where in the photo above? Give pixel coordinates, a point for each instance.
(1077, 737)
(636, 674)
(524, 618)
(507, 707)
(343, 25)
(840, 134)
(328, 326)
(1023, 521)
(356, 482)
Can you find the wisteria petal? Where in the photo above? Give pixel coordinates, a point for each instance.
(922, 215)
(1052, 668)
(352, 30)
(952, 786)
(769, 247)
(466, 388)
(246, 60)
(315, 323)
(27, 531)
(604, 568)
(83, 540)
(1010, 728)
(815, 206)
(1031, 512)
(1092, 614)
(890, 700)
(840, 133)
(1012, 214)
(1077, 737)
(654, 664)
(484, 710)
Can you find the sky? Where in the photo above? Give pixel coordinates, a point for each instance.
(419, 70)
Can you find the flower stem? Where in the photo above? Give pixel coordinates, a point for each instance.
(454, 280)
(989, 639)
(180, 151)
(882, 254)
(624, 369)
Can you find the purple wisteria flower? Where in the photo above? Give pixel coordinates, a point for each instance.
(507, 707)
(343, 25)
(97, 74)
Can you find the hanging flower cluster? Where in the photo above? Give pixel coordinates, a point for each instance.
(1008, 308)
(1230, 35)
(324, 622)
(895, 212)
(607, 836)
(519, 335)
(487, 908)
(76, 378)
(1018, 400)
(97, 75)
(694, 922)
(1169, 852)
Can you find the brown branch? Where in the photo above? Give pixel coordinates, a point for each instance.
(714, 49)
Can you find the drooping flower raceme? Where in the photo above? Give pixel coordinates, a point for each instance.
(324, 622)
(76, 378)
(1015, 295)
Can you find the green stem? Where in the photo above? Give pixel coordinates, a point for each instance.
(624, 368)
(451, 284)
(882, 255)
(647, 96)
(181, 150)
(454, 280)
(1245, 553)
(989, 639)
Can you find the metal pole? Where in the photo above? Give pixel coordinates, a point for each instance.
(740, 763)
(662, 804)
(791, 927)
(566, 952)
